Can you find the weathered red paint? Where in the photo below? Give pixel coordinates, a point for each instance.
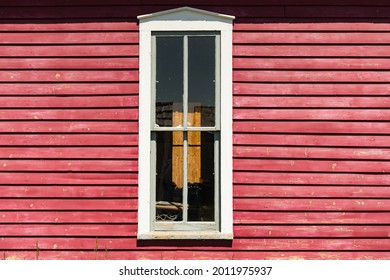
(262, 102)
(311, 63)
(311, 51)
(68, 89)
(101, 153)
(294, 165)
(311, 143)
(70, 217)
(69, 76)
(314, 114)
(68, 127)
(69, 140)
(305, 89)
(72, 63)
(74, 191)
(302, 191)
(50, 102)
(311, 140)
(72, 50)
(303, 219)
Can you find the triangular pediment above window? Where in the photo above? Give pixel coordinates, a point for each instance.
(186, 14)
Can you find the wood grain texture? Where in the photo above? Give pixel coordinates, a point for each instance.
(311, 51)
(17, 217)
(307, 89)
(178, 254)
(312, 114)
(367, 220)
(312, 76)
(304, 153)
(240, 244)
(69, 51)
(63, 191)
(311, 38)
(68, 89)
(326, 231)
(335, 64)
(81, 153)
(70, 114)
(302, 191)
(81, 102)
(93, 230)
(67, 204)
(70, 165)
(283, 178)
(303, 204)
(316, 140)
(69, 63)
(43, 38)
(312, 127)
(307, 26)
(70, 26)
(68, 140)
(294, 165)
(310, 102)
(69, 76)
(38, 178)
(68, 127)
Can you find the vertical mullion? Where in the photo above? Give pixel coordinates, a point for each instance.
(185, 81)
(217, 186)
(153, 165)
(185, 177)
(218, 82)
(217, 136)
(154, 81)
(153, 144)
(185, 133)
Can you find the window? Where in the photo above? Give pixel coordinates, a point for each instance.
(185, 125)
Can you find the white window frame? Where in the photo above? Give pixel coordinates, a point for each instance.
(182, 20)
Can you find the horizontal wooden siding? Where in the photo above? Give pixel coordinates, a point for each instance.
(311, 150)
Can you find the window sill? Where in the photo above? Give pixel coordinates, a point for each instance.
(195, 235)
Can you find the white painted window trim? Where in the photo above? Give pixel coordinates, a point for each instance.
(185, 19)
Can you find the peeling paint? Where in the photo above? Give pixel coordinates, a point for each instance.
(9, 258)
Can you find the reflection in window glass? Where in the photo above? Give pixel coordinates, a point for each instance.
(169, 81)
(199, 172)
(201, 81)
(200, 176)
(169, 176)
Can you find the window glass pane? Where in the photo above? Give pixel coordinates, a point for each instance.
(169, 176)
(201, 183)
(201, 81)
(169, 81)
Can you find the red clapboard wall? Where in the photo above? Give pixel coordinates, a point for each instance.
(311, 130)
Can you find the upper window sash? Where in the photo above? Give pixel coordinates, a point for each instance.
(185, 81)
